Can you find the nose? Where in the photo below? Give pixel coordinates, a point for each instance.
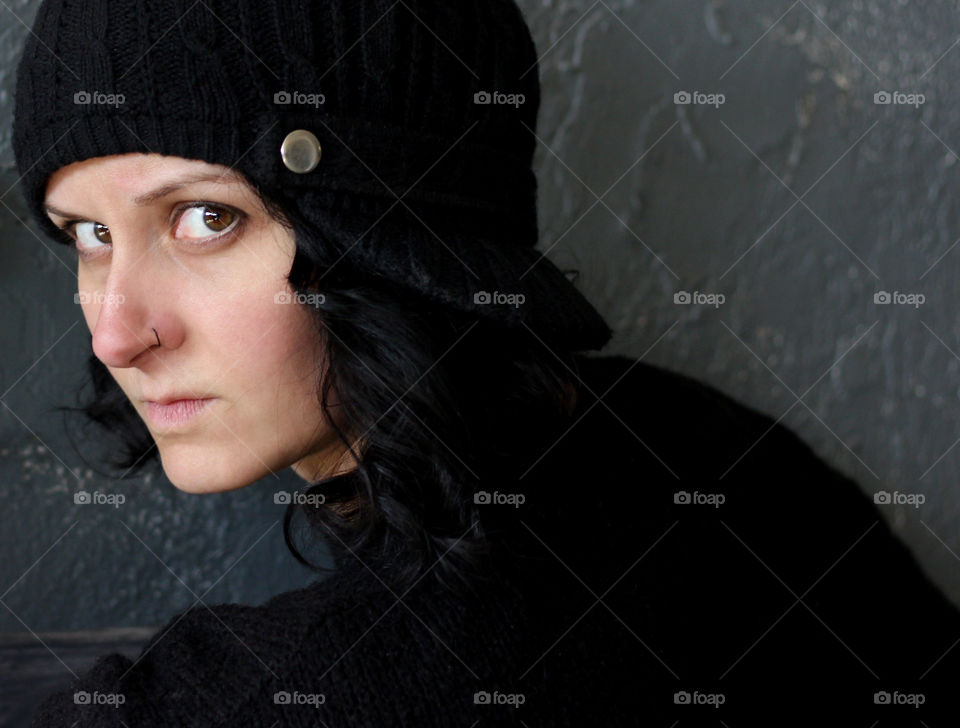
(131, 305)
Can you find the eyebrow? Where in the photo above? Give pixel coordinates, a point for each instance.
(168, 189)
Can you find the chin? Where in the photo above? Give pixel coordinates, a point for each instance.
(198, 486)
(201, 474)
(195, 483)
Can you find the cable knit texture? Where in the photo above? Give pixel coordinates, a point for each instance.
(608, 603)
(425, 111)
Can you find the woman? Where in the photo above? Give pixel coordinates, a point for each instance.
(305, 238)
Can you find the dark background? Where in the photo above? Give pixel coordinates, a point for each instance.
(797, 199)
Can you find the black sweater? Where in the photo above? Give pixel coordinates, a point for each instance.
(775, 592)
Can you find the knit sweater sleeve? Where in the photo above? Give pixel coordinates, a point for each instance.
(339, 654)
(198, 670)
(73, 706)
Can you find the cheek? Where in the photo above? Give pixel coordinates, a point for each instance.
(276, 382)
(251, 326)
(282, 350)
(270, 354)
(241, 321)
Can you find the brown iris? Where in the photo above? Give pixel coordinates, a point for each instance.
(217, 219)
(102, 233)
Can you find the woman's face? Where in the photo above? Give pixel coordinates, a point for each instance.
(202, 263)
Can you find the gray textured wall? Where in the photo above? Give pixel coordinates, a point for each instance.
(797, 199)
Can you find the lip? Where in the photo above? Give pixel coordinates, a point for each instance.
(171, 412)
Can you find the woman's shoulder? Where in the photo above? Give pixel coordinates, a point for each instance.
(637, 389)
(684, 442)
(690, 428)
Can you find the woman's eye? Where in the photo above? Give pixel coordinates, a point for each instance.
(202, 220)
(92, 234)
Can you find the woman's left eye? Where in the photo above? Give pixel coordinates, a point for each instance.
(204, 220)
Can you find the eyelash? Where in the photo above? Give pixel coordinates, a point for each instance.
(69, 232)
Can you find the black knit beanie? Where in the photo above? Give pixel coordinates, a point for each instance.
(401, 130)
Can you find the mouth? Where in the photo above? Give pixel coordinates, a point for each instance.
(172, 414)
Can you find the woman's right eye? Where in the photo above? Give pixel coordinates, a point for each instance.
(90, 235)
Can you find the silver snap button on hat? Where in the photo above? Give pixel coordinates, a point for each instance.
(300, 151)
